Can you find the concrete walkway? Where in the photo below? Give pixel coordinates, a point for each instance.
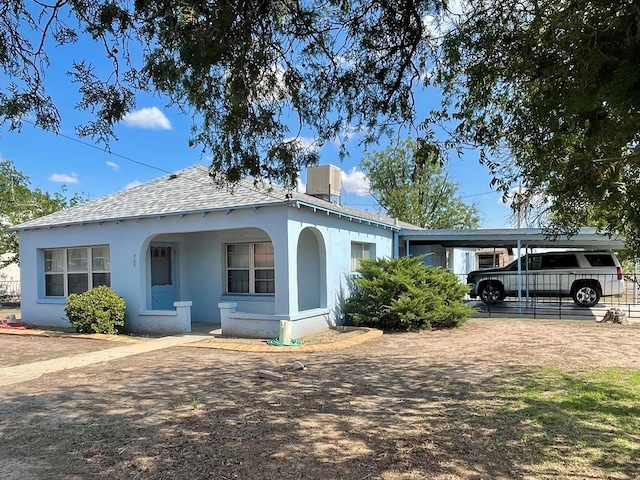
(203, 335)
(29, 371)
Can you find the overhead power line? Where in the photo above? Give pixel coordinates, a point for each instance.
(108, 152)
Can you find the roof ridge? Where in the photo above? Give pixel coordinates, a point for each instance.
(174, 194)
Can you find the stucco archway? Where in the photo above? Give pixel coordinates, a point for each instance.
(312, 274)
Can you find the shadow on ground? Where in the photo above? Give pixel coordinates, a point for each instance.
(203, 414)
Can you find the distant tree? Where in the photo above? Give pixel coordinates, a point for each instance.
(19, 203)
(412, 185)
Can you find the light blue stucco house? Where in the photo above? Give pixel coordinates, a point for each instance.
(181, 250)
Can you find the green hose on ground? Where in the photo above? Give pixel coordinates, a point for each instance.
(276, 342)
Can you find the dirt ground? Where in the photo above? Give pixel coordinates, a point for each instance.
(400, 407)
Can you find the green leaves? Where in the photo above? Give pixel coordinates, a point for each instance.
(18, 203)
(409, 182)
(556, 85)
(404, 294)
(241, 69)
(99, 310)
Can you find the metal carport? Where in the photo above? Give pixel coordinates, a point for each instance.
(517, 238)
(587, 238)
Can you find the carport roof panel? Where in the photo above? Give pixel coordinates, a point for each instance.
(587, 238)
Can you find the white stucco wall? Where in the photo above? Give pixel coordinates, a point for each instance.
(10, 273)
(199, 248)
(436, 255)
(338, 234)
(10, 283)
(462, 260)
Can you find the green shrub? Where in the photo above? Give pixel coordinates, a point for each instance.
(99, 310)
(404, 294)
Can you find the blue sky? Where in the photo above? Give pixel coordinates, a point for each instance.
(154, 140)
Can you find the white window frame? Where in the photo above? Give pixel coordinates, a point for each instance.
(361, 251)
(251, 268)
(65, 269)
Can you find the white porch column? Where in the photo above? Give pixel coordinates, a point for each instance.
(285, 244)
(184, 314)
(226, 309)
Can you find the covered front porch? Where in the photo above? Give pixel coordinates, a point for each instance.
(246, 280)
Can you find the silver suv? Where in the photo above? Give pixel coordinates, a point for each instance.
(584, 276)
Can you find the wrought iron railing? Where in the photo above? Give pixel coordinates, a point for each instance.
(550, 296)
(9, 291)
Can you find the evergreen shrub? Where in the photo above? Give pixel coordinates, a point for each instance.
(404, 294)
(99, 310)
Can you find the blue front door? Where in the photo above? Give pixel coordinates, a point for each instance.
(163, 287)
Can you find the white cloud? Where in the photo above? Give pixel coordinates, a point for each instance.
(344, 62)
(438, 25)
(64, 178)
(301, 187)
(150, 118)
(272, 87)
(113, 165)
(135, 183)
(305, 143)
(355, 181)
(348, 134)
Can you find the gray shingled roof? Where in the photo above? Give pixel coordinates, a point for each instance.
(192, 191)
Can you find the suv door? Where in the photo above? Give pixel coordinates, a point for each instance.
(543, 274)
(529, 265)
(559, 273)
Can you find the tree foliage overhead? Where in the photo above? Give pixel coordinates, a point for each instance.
(551, 90)
(238, 66)
(19, 203)
(412, 185)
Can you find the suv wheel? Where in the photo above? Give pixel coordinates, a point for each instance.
(586, 294)
(491, 292)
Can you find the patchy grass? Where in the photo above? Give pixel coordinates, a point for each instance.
(583, 419)
(503, 400)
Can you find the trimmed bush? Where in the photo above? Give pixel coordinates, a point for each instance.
(404, 294)
(99, 310)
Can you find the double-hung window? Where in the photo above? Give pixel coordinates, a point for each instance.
(359, 252)
(76, 270)
(250, 268)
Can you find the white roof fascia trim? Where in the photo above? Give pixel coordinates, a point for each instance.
(352, 218)
(158, 216)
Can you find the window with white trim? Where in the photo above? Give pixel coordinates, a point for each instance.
(75, 270)
(359, 252)
(250, 268)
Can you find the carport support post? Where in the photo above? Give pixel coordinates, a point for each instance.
(519, 280)
(635, 279)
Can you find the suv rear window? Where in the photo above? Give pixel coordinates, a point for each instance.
(599, 260)
(546, 261)
(560, 260)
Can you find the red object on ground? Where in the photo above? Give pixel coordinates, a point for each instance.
(15, 326)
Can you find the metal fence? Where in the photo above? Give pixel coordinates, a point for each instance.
(9, 291)
(546, 296)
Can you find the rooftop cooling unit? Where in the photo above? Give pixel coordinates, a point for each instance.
(323, 181)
